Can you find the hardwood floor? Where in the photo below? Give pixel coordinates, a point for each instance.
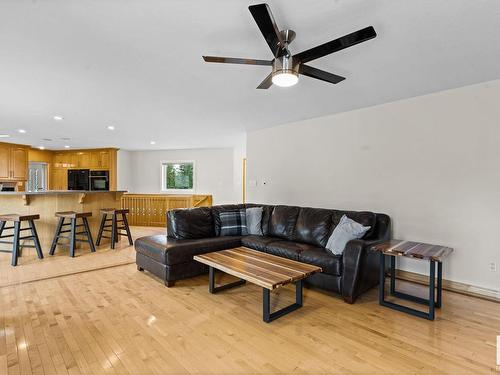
(121, 321)
(30, 268)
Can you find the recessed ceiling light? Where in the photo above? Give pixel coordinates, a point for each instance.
(152, 142)
(22, 131)
(66, 146)
(58, 118)
(41, 147)
(4, 136)
(111, 127)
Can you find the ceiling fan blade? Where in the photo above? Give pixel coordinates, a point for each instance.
(235, 60)
(267, 82)
(319, 74)
(346, 41)
(265, 20)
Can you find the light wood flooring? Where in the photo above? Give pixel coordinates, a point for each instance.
(121, 321)
(31, 268)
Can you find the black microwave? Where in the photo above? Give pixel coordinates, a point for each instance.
(99, 180)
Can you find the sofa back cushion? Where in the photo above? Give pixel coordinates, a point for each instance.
(216, 210)
(190, 223)
(313, 226)
(266, 219)
(282, 221)
(365, 218)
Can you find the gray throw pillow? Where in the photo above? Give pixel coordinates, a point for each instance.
(344, 232)
(254, 220)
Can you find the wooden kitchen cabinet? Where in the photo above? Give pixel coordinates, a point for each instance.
(4, 162)
(64, 160)
(82, 160)
(59, 179)
(99, 159)
(13, 162)
(19, 163)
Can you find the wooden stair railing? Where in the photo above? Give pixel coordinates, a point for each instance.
(151, 209)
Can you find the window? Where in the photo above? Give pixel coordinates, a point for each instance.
(178, 176)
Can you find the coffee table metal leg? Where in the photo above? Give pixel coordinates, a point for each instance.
(211, 282)
(268, 316)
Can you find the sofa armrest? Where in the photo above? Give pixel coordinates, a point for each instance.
(360, 268)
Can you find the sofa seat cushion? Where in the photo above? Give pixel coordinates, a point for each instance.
(287, 249)
(171, 251)
(330, 264)
(257, 242)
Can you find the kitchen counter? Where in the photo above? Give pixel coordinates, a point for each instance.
(47, 192)
(47, 203)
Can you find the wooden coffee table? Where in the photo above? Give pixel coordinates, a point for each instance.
(265, 270)
(416, 250)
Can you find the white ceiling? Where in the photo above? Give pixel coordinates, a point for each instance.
(136, 64)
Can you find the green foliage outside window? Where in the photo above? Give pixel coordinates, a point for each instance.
(179, 176)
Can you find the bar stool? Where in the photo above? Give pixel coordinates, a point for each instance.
(115, 229)
(16, 246)
(73, 217)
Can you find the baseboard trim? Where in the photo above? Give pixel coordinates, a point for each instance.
(452, 286)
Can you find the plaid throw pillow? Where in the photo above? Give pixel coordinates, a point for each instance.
(233, 223)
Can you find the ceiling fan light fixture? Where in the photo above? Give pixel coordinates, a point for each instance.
(285, 78)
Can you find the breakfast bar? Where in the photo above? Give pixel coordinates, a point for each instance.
(47, 203)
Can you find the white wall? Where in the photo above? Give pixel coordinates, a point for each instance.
(140, 171)
(431, 162)
(124, 170)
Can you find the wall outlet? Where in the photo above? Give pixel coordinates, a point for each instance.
(493, 267)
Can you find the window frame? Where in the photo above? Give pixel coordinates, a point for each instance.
(163, 183)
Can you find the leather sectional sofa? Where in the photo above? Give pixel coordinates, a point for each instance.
(298, 233)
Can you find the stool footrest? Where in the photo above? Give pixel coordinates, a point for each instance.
(79, 225)
(27, 238)
(21, 229)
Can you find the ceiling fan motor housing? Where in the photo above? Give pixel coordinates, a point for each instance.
(285, 64)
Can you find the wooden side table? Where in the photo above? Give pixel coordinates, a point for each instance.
(416, 250)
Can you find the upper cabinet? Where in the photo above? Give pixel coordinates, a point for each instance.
(95, 159)
(4, 162)
(100, 159)
(13, 162)
(81, 159)
(19, 163)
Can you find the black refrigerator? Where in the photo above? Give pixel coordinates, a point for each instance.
(78, 179)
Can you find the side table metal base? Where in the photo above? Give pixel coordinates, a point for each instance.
(432, 303)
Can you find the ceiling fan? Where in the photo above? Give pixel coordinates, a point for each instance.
(285, 66)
